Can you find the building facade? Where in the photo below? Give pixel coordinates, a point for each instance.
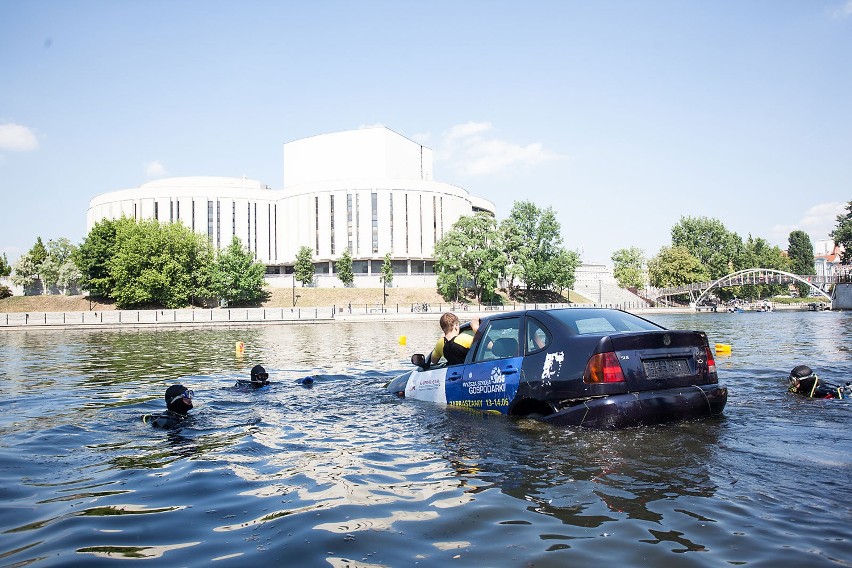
(369, 191)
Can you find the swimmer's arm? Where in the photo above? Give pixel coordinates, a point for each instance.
(437, 352)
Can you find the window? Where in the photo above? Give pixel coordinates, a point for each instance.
(171, 211)
(233, 218)
(331, 204)
(248, 231)
(499, 341)
(210, 221)
(156, 210)
(592, 322)
(391, 221)
(357, 223)
(316, 224)
(537, 335)
(349, 221)
(218, 224)
(193, 215)
(374, 202)
(406, 223)
(434, 219)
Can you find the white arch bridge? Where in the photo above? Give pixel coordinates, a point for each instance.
(751, 276)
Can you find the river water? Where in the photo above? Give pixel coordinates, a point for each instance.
(343, 474)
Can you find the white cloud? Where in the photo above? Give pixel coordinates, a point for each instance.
(467, 130)
(17, 138)
(818, 222)
(472, 149)
(156, 169)
(844, 11)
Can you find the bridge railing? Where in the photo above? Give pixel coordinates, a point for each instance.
(757, 276)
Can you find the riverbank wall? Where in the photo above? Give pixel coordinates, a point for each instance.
(841, 297)
(240, 317)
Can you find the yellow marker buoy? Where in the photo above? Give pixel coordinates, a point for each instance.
(402, 340)
(240, 348)
(723, 348)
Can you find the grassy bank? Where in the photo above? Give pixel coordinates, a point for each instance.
(279, 298)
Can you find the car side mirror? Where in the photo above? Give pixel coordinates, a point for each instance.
(419, 360)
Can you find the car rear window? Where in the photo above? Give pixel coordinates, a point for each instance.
(590, 321)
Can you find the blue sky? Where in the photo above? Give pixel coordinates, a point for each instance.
(623, 116)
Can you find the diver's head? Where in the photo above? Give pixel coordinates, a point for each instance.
(798, 373)
(259, 375)
(178, 399)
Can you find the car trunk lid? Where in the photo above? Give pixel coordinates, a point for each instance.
(655, 360)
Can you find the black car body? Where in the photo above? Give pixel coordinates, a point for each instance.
(593, 367)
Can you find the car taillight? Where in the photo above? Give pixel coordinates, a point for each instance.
(603, 368)
(711, 362)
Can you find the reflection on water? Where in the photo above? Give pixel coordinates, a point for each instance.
(343, 474)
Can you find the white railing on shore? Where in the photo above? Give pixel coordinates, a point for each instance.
(237, 316)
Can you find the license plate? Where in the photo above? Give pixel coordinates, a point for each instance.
(666, 368)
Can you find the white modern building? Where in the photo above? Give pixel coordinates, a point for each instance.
(370, 191)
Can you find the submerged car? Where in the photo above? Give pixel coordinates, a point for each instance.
(592, 367)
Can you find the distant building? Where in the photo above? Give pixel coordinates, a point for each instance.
(370, 191)
(826, 258)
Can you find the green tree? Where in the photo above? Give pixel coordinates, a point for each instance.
(386, 276)
(800, 251)
(628, 267)
(533, 242)
(304, 267)
(49, 273)
(343, 268)
(25, 274)
(94, 255)
(68, 279)
(566, 263)
(759, 254)
(470, 252)
(61, 250)
(5, 267)
(38, 253)
(842, 234)
(238, 277)
(59, 253)
(513, 241)
(719, 250)
(675, 266)
(167, 264)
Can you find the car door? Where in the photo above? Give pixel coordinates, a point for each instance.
(489, 379)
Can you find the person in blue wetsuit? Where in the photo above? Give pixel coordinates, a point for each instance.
(259, 379)
(178, 404)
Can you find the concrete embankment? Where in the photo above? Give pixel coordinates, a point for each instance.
(240, 317)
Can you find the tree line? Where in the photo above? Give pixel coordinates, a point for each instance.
(139, 263)
(144, 263)
(703, 249)
(477, 253)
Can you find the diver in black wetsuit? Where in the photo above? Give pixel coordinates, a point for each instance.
(805, 382)
(178, 403)
(259, 379)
